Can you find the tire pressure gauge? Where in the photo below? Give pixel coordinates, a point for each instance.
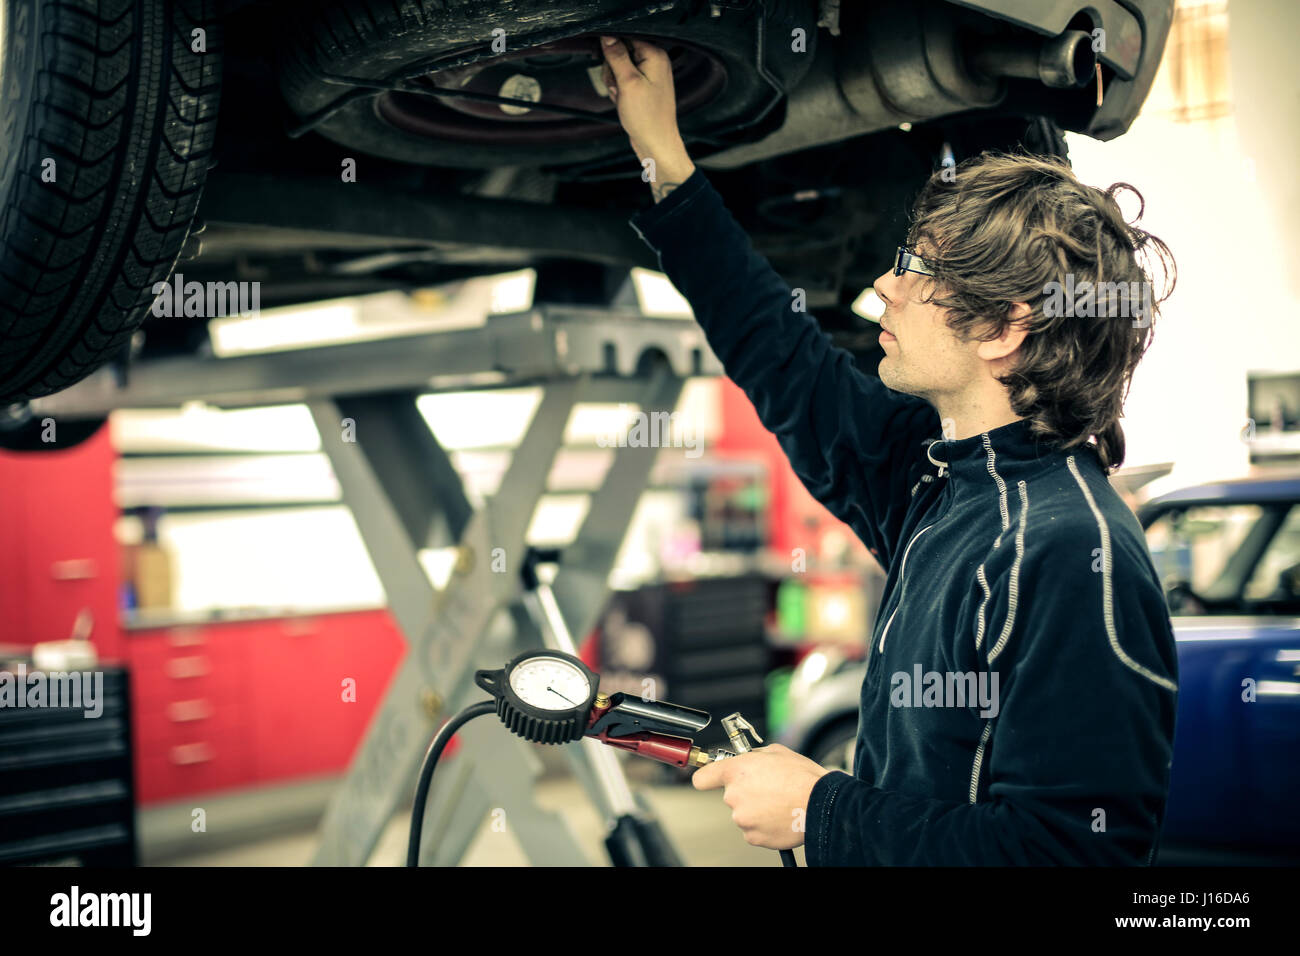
(543, 696)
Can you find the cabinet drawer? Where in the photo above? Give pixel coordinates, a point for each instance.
(177, 721)
(190, 768)
(187, 663)
(153, 646)
(187, 677)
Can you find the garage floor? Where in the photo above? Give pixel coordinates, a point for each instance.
(698, 823)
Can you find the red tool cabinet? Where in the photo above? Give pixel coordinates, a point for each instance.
(215, 706)
(241, 703)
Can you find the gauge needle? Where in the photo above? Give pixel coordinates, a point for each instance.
(558, 694)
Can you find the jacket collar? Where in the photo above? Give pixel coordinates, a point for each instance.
(1008, 454)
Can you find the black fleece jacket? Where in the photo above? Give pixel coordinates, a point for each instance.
(1019, 700)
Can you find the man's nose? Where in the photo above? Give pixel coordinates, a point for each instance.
(883, 287)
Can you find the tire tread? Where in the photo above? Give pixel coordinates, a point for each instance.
(128, 114)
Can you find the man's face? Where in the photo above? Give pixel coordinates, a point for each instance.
(923, 356)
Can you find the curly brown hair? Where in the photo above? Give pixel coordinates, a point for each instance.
(1001, 228)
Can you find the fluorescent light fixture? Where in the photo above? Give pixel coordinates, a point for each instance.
(489, 419)
(381, 315)
(290, 328)
(197, 426)
(513, 292)
(592, 423)
(656, 296)
(557, 518)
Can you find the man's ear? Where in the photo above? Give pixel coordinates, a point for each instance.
(1018, 311)
(1012, 336)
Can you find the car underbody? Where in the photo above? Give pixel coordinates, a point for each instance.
(363, 147)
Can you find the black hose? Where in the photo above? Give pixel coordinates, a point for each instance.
(436, 748)
(787, 858)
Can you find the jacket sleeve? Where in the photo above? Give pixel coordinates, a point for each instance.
(851, 440)
(1077, 755)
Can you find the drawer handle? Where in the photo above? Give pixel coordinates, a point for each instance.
(183, 711)
(74, 569)
(186, 754)
(185, 636)
(181, 667)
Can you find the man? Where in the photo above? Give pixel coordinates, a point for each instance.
(1018, 706)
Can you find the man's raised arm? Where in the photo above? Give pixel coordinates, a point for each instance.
(852, 441)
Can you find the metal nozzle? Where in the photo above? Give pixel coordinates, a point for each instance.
(736, 727)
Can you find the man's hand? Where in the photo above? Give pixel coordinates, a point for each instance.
(641, 86)
(767, 790)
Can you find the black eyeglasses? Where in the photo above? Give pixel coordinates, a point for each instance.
(908, 261)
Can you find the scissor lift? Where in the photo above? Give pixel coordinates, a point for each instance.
(406, 496)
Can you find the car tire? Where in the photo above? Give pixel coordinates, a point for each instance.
(108, 116)
(379, 39)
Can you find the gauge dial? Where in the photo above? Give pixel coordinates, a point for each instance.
(550, 683)
(544, 696)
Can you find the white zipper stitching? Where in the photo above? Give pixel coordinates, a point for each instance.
(902, 571)
(1013, 580)
(979, 761)
(1107, 601)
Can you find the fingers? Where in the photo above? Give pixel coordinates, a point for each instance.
(709, 777)
(645, 58)
(607, 77)
(650, 60)
(617, 59)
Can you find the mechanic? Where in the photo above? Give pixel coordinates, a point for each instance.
(976, 471)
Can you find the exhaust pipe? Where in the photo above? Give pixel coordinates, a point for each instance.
(905, 62)
(1063, 62)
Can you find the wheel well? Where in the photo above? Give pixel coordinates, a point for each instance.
(829, 728)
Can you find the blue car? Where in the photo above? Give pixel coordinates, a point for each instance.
(1229, 554)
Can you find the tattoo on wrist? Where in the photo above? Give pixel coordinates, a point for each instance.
(660, 190)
